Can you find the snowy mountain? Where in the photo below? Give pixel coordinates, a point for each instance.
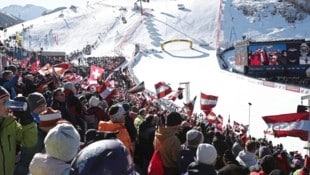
(26, 12)
(116, 27)
(7, 20)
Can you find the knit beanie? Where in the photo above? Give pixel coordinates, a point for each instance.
(35, 99)
(117, 113)
(194, 137)
(206, 153)
(69, 86)
(173, 119)
(62, 142)
(49, 117)
(3, 92)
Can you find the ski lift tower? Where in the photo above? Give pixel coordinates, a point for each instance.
(187, 92)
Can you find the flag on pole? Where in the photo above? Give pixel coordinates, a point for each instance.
(162, 89)
(207, 102)
(292, 124)
(138, 88)
(189, 107)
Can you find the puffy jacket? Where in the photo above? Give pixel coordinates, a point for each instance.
(12, 134)
(122, 135)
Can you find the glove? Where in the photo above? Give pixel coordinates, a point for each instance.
(24, 117)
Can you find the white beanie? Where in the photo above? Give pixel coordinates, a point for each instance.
(62, 142)
(206, 154)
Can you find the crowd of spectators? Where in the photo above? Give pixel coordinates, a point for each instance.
(68, 129)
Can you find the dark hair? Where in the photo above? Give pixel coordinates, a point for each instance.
(3, 92)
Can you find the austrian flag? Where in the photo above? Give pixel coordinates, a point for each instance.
(293, 124)
(207, 102)
(162, 89)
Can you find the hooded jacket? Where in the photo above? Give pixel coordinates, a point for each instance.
(246, 158)
(47, 165)
(12, 134)
(169, 146)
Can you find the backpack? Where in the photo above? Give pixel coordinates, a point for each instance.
(156, 166)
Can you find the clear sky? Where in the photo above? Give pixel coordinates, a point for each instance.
(49, 4)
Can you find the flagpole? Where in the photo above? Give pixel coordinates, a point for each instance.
(250, 104)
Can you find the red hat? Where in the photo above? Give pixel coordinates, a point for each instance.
(49, 117)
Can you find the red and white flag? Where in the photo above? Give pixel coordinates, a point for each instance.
(292, 124)
(189, 107)
(207, 102)
(162, 89)
(95, 73)
(61, 68)
(175, 94)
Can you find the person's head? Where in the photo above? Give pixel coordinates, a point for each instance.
(62, 142)
(7, 74)
(69, 86)
(194, 137)
(4, 97)
(49, 119)
(37, 102)
(142, 112)
(268, 163)
(206, 154)
(173, 119)
(59, 95)
(108, 156)
(250, 146)
(117, 113)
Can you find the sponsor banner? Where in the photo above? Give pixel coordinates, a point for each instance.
(268, 83)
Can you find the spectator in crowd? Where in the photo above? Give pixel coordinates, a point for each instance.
(267, 164)
(188, 152)
(59, 103)
(75, 108)
(95, 112)
(129, 123)
(231, 165)
(108, 156)
(305, 170)
(206, 157)
(61, 144)
(247, 156)
(168, 143)
(185, 126)
(145, 147)
(13, 133)
(37, 105)
(140, 118)
(116, 123)
(9, 82)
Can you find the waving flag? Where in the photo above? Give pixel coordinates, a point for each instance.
(162, 89)
(189, 107)
(292, 124)
(207, 102)
(176, 94)
(61, 68)
(95, 73)
(138, 88)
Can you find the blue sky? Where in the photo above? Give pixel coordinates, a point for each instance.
(49, 4)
